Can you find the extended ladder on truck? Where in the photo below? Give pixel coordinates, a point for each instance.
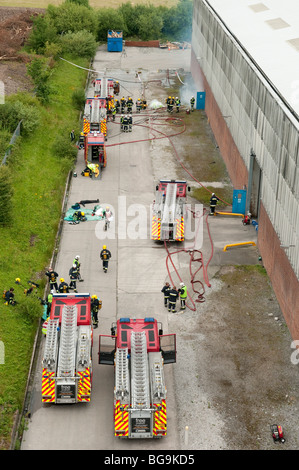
(169, 211)
(138, 350)
(67, 359)
(104, 89)
(95, 116)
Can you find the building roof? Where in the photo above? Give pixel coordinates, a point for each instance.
(269, 31)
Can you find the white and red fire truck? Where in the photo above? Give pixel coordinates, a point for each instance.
(138, 350)
(67, 358)
(169, 211)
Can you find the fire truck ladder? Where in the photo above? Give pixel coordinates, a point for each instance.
(140, 375)
(50, 354)
(83, 351)
(95, 113)
(122, 382)
(168, 217)
(66, 361)
(104, 88)
(158, 384)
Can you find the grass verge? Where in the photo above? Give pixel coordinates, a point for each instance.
(38, 177)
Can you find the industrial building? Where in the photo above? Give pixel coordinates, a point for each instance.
(245, 60)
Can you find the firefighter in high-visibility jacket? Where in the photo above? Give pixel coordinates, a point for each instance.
(183, 295)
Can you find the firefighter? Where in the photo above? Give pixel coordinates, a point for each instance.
(81, 141)
(117, 105)
(183, 295)
(116, 87)
(192, 102)
(49, 301)
(9, 297)
(171, 104)
(79, 216)
(121, 122)
(144, 104)
(173, 295)
(138, 105)
(129, 105)
(105, 255)
(123, 104)
(113, 113)
(96, 305)
(130, 123)
(125, 124)
(177, 104)
(167, 101)
(73, 273)
(52, 275)
(108, 217)
(63, 286)
(213, 203)
(78, 265)
(165, 290)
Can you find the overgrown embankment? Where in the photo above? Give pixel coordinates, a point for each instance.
(38, 173)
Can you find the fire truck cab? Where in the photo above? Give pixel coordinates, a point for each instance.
(138, 350)
(67, 359)
(94, 149)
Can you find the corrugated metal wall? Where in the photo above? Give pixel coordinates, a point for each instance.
(257, 118)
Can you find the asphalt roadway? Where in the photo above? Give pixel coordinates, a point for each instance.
(137, 270)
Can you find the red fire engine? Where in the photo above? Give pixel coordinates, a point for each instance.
(138, 350)
(67, 359)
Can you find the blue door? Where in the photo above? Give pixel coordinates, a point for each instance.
(239, 201)
(200, 100)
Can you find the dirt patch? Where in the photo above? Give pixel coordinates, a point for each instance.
(15, 27)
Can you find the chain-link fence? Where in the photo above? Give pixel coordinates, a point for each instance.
(14, 137)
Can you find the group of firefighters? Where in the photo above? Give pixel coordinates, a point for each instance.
(74, 273)
(171, 295)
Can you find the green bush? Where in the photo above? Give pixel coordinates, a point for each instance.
(19, 108)
(40, 73)
(82, 43)
(43, 31)
(78, 98)
(109, 18)
(72, 17)
(30, 308)
(52, 49)
(64, 148)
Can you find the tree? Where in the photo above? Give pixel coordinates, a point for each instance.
(177, 21)
(40, 73)
(6, 193)
(43, 31)
(81, 43)
(71, 17)
(109, 18)
(150, 25)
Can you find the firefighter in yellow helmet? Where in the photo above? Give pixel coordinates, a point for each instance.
(63, 286)
(105, 256)
(96, 305)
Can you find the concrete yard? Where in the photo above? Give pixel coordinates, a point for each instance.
(234, 376)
